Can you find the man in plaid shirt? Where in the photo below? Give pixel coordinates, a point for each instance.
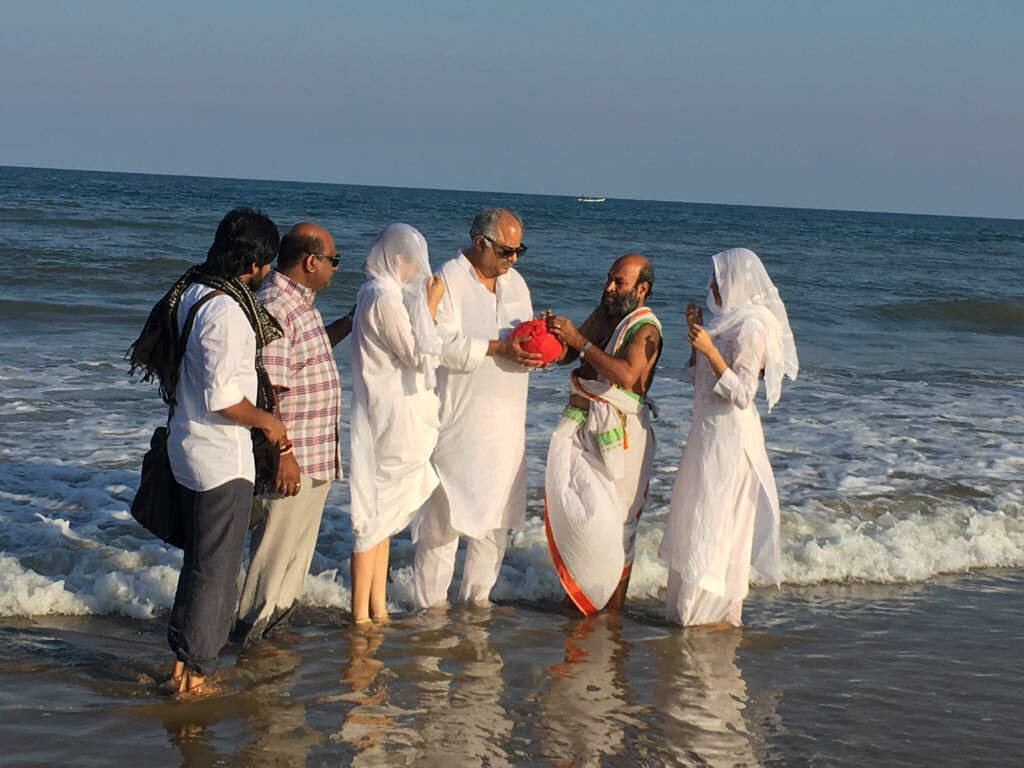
(302, 369)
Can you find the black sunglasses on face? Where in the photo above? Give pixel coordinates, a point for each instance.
(335, 259)
(505, 251)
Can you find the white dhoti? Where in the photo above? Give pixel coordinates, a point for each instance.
(598, 470)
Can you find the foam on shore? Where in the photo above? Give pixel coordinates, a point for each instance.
(76, 550)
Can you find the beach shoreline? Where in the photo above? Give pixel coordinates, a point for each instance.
(819, 676)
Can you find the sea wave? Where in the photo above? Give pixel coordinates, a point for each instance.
(76, 550)
(38, 310)
(992, 316)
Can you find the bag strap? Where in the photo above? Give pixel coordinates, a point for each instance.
(181, 339)
(190, 319)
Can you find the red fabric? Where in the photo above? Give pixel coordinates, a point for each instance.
(575, 594)
(539, 340)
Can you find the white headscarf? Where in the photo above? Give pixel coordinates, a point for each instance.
(398, 261)
(748, 293)
(397, 265)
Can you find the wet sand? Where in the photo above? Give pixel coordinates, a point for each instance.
(830, 675)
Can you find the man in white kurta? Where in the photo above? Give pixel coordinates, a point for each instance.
(482, 384)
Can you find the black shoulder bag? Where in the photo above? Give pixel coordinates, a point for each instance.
(157, 503)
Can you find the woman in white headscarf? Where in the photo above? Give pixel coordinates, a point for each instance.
(394, 418)
(724, 517)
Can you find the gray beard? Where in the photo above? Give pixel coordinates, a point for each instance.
(619, 308)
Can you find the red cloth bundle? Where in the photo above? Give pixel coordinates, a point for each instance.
(539, 340)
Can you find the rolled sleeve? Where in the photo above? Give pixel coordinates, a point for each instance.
(223, 360)
(729, 387)
(740, 381)
(276, 356)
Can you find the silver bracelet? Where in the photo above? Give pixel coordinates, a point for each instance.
(584, 348)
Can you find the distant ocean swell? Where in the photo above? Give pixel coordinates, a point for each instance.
(970, 315)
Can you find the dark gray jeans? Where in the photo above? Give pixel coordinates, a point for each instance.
(216, 522)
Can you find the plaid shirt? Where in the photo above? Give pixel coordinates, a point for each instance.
(301, 366)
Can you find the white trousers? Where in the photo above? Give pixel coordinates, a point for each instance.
(436, 546)
(281, 550)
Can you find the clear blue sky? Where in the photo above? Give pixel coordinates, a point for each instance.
(900, 105)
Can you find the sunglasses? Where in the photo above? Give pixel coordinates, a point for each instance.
(335, 259)
(505, 251)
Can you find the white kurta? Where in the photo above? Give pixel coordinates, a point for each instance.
(480, 454)
(402, 413)
(724, 515)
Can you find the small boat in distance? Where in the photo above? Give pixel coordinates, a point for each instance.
(589, 199)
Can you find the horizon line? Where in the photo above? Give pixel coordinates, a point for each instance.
(498, 192)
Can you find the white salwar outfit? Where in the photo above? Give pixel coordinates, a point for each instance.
(724, 515)
(394, 409)
(596, 478)
(480, 453)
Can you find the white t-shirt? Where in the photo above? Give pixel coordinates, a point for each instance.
(218, 370)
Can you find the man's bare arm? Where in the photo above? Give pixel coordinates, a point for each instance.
(248, 415)
(571, 354)
(628, 371)
(339, 329)
(623, 371)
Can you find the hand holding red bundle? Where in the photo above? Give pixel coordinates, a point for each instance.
(538, 340)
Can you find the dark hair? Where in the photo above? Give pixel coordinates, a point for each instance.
(646, 275)
(244, 237)
(294, 247)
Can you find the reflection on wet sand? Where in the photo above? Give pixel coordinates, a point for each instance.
(256, 691)
(452, 684)
(371, 723)
(702, 700)
(583, 704)
(460, 684)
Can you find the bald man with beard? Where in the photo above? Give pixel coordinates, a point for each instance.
(305, 376)
(601, 453)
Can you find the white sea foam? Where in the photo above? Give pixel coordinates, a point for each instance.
(107, 567)
(873, 478)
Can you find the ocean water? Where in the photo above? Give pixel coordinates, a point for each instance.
(898, 451)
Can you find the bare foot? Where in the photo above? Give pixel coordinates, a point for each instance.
(381, 618)
(719, 626)
(195, 686)
(177, 675)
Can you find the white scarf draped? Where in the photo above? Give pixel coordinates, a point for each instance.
(748, 293)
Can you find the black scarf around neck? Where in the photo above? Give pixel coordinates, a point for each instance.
(153, 354)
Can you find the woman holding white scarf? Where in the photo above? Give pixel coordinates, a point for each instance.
(724, 516)
(394, 422)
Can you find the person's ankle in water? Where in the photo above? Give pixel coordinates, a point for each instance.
(379, 609)
(177, 674)
(194, 685)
